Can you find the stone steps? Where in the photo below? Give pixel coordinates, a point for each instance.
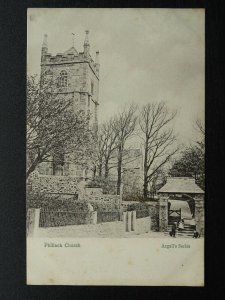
(188, 231)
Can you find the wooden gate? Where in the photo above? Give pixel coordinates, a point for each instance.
(174, 215)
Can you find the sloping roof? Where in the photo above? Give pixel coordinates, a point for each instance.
(185, 185)
(72, 50)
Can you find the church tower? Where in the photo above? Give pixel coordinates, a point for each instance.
(77, 80)
(76, 74)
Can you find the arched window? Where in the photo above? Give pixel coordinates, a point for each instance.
(63, 79)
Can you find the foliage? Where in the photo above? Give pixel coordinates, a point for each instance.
(142, 209)
(191, 163)
(101, 206)
(54, 128)
(131, 189)
(137, 206)
(157, 181)
(108, 185)
(55, 202)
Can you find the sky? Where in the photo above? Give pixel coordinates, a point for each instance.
(146, 55)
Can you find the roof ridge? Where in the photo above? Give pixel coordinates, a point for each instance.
(181, 185)
(71, 50)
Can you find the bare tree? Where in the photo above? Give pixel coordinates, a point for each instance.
(200, 127)
(100, 153)
(110, 143)
(157, 138)
(157, 180)
(53, 127)
(124, 127)
(106, 146)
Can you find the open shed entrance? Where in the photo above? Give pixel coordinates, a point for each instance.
(181, 208)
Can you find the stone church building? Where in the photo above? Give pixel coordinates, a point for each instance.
(75, 76)
(76, 79)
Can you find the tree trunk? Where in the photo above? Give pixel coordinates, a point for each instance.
(119, 169)
(145, 190)
(32, 167)
(106, 168)
(94, 172)
(100, 170)
(29, 171)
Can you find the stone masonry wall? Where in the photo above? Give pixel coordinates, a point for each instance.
(96, 195)
(68, 185)
(54, 184)
(114, 199)
(80, 81)
(154, 214)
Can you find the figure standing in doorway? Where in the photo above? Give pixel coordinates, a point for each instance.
(173, 231)
(181, 225)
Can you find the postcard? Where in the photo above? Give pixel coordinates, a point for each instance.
(115, 176)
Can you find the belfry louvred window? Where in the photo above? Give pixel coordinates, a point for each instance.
(63, 79)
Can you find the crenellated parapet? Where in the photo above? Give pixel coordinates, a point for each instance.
(71, 56)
